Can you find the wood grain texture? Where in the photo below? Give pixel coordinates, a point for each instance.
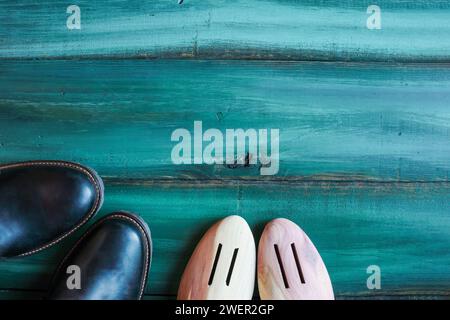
(223, 265)
(289, 265)
(364, 159)
(354, 122)
(14, 294)
(239, 29)
(403, 227)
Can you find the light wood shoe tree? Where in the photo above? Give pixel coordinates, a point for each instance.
(223, 264)
(289, 265)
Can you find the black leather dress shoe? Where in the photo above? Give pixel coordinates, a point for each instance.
(42, 202)
(111, 261)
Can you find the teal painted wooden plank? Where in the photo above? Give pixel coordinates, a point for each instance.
(37, 295)
(408, 295)
(277, 29)
(402, 227)
(14, 294)
(336, 121)
(20, 295)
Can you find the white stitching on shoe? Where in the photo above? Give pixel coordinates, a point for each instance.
(94, 208)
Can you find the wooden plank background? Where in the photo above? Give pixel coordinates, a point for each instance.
(363, 114)
(412, 30)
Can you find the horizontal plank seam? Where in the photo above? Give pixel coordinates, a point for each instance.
(396, 61)
(213, 181)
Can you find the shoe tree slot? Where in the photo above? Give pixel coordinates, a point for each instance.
(280, 263)
(216, 261)
(233, 261)
(289, 265)
(223, 265)
(297, 264)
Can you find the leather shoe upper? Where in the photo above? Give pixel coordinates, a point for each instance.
(41, 202)
(111, 261)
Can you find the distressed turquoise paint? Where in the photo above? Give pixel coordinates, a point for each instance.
(404, 228)
(117, 116)
(337, 121)
(293, 30)
(364, 147)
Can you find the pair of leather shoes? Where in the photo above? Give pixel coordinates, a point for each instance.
(43, 202)
(222, 266)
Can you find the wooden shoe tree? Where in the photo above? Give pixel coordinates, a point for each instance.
(289, 265)
(222, 266)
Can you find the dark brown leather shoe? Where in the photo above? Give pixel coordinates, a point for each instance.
(42, 202)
